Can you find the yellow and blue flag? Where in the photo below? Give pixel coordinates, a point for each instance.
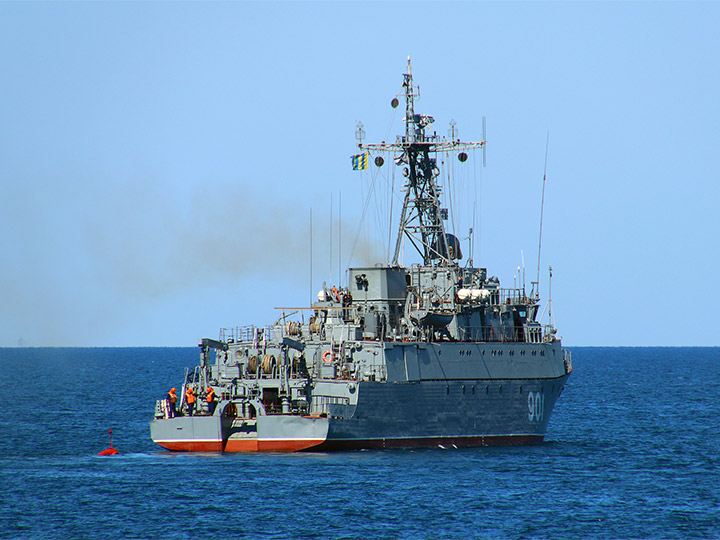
(360, 161)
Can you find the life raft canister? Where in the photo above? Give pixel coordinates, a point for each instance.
(328, 356)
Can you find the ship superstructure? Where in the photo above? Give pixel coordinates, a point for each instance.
(434, 354)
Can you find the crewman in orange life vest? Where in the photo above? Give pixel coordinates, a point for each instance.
(172, 400)
(190, 399)
(210, 396)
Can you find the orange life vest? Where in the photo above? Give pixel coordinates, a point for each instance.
(190, 396)
(211, 396)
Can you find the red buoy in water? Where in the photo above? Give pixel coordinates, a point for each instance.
(109, 451)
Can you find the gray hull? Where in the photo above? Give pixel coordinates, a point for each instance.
(387, 415)
(433, 413)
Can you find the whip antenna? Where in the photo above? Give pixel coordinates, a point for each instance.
(484, 139)
(542, 206)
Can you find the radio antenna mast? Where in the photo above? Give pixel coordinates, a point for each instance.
(542, 206)
(421, 218)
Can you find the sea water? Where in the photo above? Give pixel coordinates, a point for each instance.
(632, 451)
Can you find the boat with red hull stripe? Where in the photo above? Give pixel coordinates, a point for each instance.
(294, 445)
(433, 354)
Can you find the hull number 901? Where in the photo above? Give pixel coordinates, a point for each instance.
(536, 406)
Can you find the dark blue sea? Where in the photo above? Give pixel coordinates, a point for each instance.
(633, 451)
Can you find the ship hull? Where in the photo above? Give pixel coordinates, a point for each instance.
(470, 441)
(273, 433)
(420, 414)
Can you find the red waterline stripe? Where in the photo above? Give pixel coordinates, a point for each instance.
(240, 445)
(296, 445)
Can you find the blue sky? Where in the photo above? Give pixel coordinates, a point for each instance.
(159, 161)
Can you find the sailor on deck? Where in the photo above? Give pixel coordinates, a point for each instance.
(210, 397)
(172, 400)
(190, 400)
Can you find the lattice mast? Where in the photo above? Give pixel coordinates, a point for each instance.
(421, 218)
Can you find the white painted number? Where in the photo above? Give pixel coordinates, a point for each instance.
(536, 406)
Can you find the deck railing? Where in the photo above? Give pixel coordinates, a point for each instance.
(244, 333)
(525, 334)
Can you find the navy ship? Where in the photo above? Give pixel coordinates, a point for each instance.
(433, 354)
